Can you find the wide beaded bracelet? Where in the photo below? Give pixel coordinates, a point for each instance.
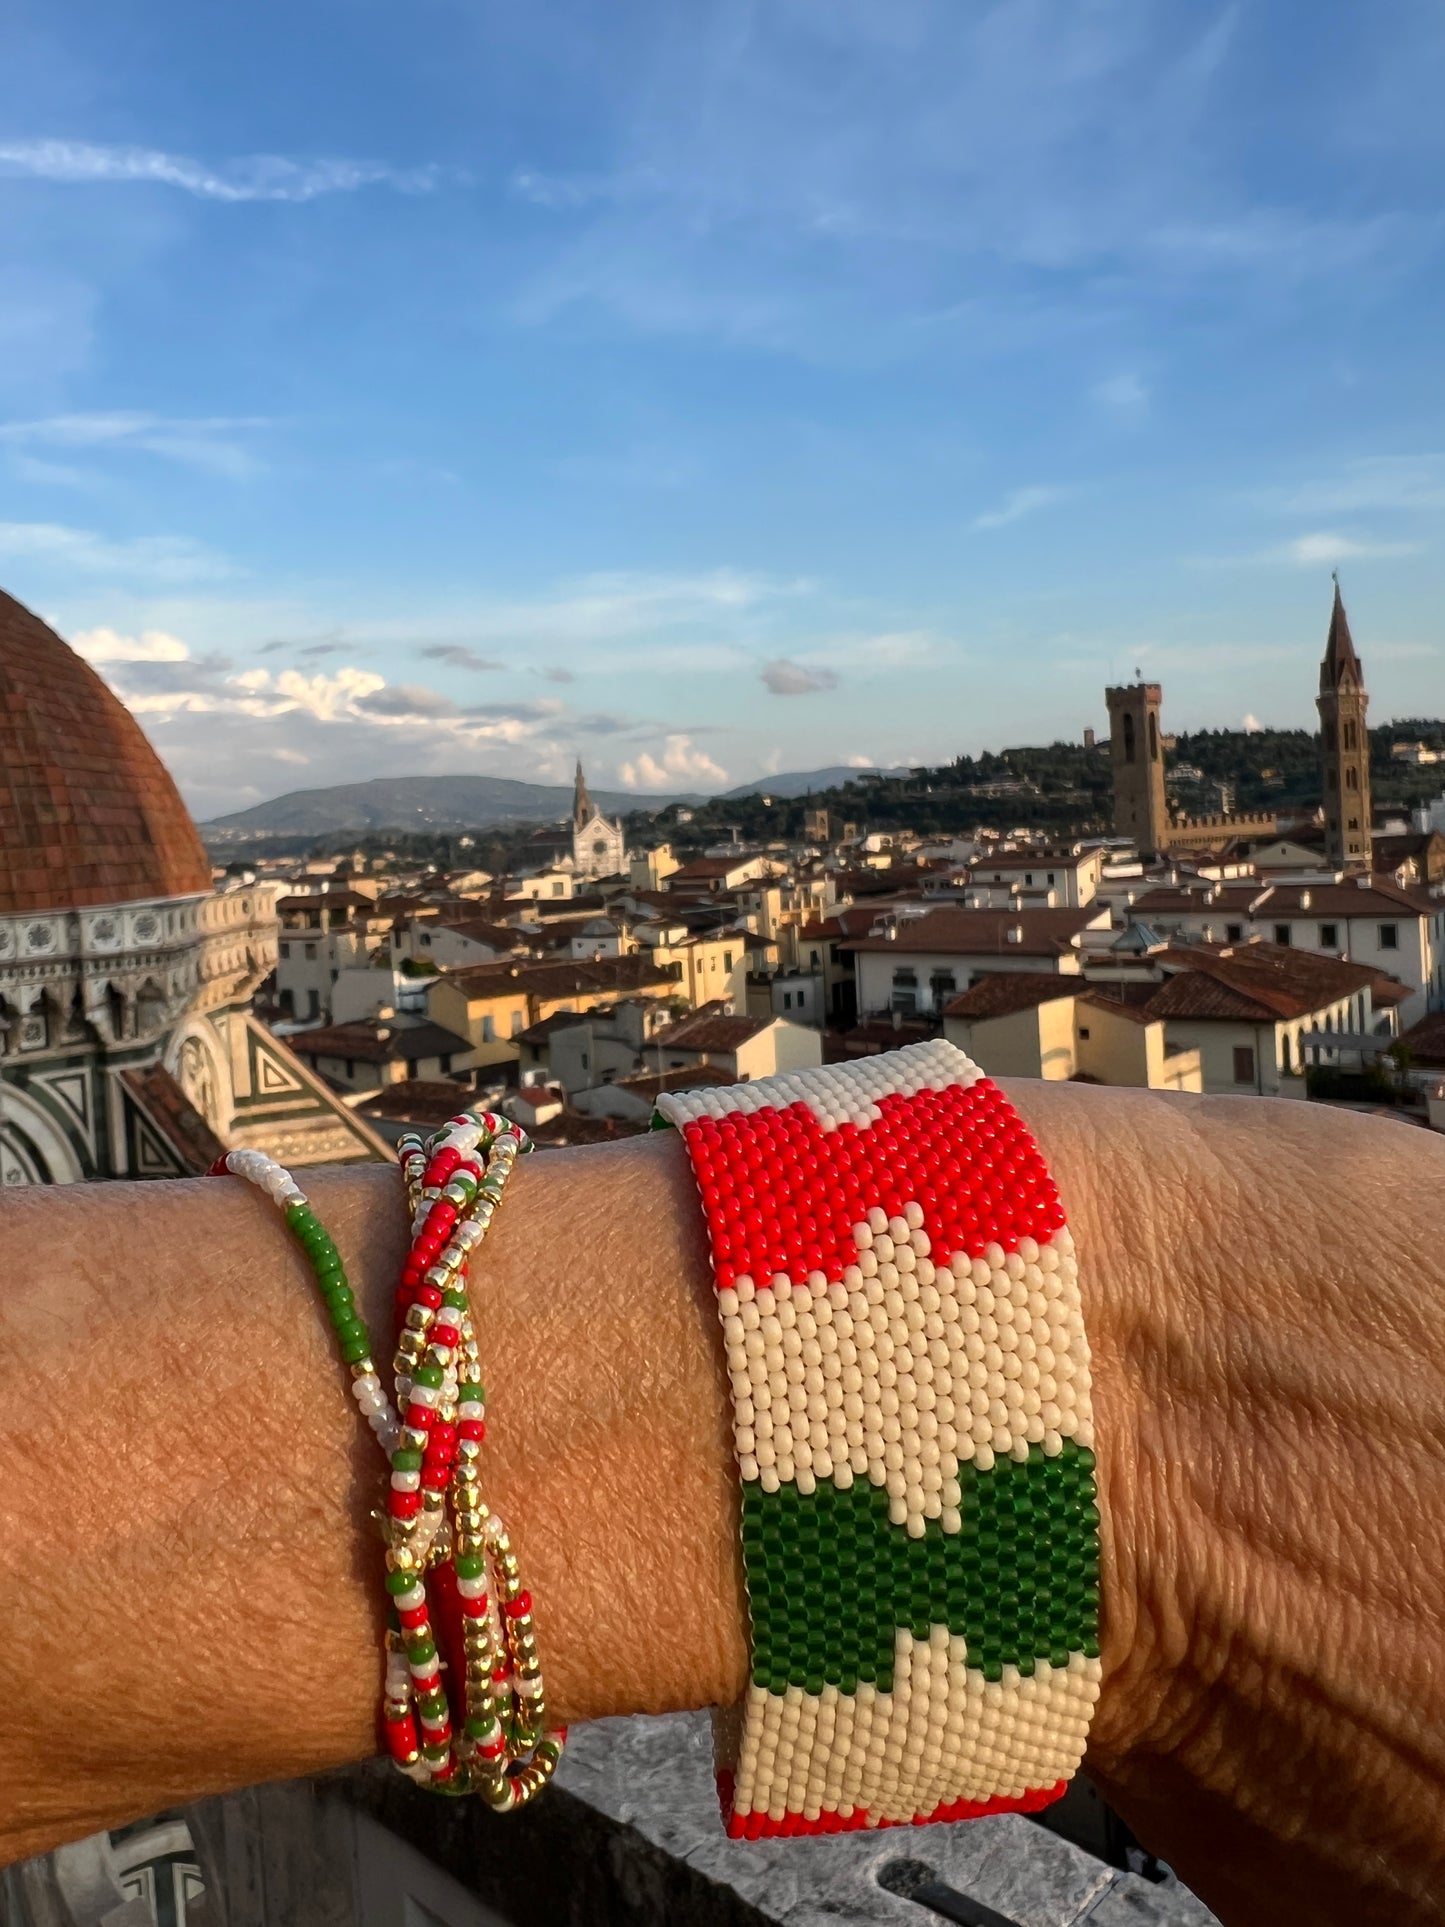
(912, 1424)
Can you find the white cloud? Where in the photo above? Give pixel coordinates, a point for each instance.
(786, 678)
(256, 177)
(1016, 505)
(152, 645)
(212, 444)
(289, 756)
(1326, 547)
(681, 761)
(160, 558)
(1320, 549)
(1123, 394)
(1251, 725)
(859, 762)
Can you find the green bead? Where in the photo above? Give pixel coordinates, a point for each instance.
(470, 1565)
(421, 1651)
(406, 1461)
(353, 1350)
(470, 1394)
(431, 1375)
(398, 1582)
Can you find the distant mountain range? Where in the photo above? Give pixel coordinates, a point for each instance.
(471, 802)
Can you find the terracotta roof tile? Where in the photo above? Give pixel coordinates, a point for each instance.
(88, 813)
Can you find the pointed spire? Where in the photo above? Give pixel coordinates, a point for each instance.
(1341, 664)
(581, 801)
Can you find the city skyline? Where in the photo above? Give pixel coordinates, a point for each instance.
(721, 396)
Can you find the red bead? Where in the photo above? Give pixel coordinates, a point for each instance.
(403, 1505)
(472, 1428)
(519, 1607)
(412, 1617)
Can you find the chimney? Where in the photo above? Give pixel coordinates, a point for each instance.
(1363, 882)
(385, 1013)
(1304, 899)
(1014, 933)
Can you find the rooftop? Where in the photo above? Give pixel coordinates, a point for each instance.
(709, 1031)
(402, 1038)
(1041, 933)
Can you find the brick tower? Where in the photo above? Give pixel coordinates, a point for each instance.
(1140, 809)
(1345, 745)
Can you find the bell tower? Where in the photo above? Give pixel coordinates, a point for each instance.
(1141, 811)
(1345, 746)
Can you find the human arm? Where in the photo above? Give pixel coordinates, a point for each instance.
(184, 1488)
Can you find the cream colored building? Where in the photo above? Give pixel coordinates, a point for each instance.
(1057, 1028)
(490, 1005)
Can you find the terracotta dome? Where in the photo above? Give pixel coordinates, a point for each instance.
(88, 813)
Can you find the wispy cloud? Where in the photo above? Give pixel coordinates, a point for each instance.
(1373, 483)
(456, 655)
(156, 558)
(786, 678)
(213, 444)
(253, 177)
(1016, 505)
(1319, 549)
(1126, 394)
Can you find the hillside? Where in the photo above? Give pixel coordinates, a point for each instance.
(415, 803)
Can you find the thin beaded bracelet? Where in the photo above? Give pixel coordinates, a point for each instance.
(456, 1603)
(912, 1424)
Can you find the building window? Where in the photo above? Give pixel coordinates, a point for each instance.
(446, 1064)
(285, 950)
(1244, 1063)
(813, 958)
(426, 940)
(489, 1030)
(1281, 934)
(1349, 735)
(727, 960)
(1389, 936)
(311, 953)
(556, 889)
(582, 1058)
(1286, 1053)
(1128, 739)
(351, 1067)
(1051, 876)
(518, 1024)
(1153, 737)
(1329, 936)
(1084, 1032)
(1234, 933)
(787, 1000)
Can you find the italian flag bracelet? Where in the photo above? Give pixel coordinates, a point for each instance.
(910, 1383)
(463, 1707)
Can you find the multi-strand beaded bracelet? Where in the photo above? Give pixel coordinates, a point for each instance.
(463, 1709)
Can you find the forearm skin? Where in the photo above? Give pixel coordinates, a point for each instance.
(185, 1491)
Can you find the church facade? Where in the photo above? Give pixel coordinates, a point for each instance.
(599, 843)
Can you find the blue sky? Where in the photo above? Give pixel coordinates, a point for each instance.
(717, 388)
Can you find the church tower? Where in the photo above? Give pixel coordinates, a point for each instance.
(1345, 742)
(1140, 809)
(581, 801)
